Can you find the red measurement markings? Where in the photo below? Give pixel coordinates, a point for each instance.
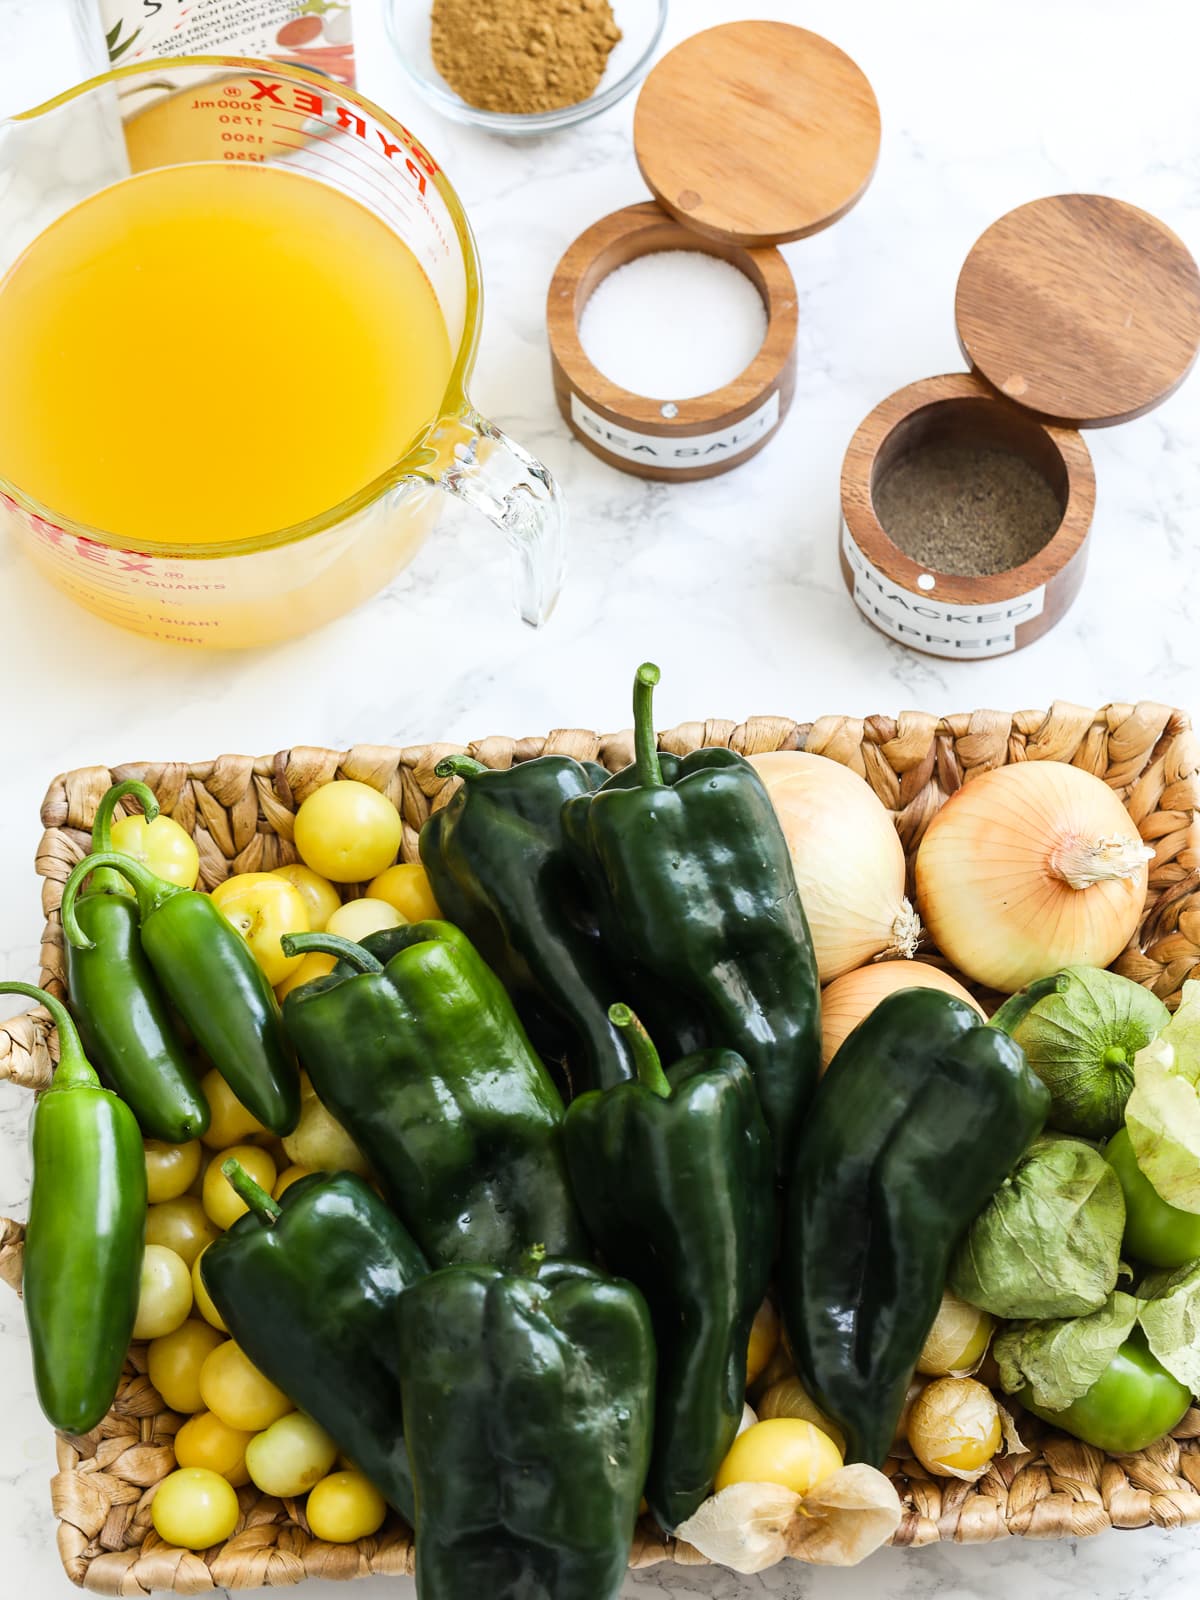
(388, 198)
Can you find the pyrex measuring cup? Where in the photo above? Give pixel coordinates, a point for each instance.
(251, 590)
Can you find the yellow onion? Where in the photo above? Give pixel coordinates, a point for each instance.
(853, 996)
(954, 1428)
(790, 1398)
(1030, 868)
(847, 857)
(958, 1341)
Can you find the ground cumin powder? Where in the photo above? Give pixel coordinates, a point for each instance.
(523, 55)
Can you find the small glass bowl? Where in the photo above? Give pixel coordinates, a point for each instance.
(641, 23)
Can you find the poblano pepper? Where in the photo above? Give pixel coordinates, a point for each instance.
(308, 1286)
(674, 1176)
(918, 1121)
(699, 879)
(123, 1019)
(415, 1047)
(528, 1400)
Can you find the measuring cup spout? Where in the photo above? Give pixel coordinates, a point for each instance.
(495, 475)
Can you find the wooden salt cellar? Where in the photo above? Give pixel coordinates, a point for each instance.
(749, 135)
(1074, 311)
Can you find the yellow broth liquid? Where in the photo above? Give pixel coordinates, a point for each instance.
(205, 353)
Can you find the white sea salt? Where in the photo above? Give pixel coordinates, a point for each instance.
(674, 324)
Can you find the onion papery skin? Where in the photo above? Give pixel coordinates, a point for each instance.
(989, 874)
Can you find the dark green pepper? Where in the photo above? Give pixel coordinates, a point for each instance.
(211, 978)
(674, 1176)
(699, 878)
(1156, 1232)
(1133, 1403)
(86, 1232)
(309, 1286)
(425, 1063)
(916, 1124)
(499, 867)
(528, 1401)
(118, 1007)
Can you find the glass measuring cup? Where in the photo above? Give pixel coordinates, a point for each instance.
(250, 590)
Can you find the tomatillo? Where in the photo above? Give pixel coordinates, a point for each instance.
(1133, 1402)
(1157, 1233)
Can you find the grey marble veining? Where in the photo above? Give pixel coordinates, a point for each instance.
(731, 585)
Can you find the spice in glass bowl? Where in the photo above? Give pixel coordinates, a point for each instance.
(966, 510)
(522, 56)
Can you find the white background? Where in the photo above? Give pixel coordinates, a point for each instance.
(731, 585)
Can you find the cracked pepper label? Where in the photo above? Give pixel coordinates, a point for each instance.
(299, 33)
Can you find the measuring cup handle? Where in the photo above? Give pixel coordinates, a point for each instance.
(492, 473)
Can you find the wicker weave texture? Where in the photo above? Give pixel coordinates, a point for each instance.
(240, 811)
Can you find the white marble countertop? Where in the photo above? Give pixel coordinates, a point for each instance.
(732, 585)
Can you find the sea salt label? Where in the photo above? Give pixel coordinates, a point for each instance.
(678, 453)
(298, 33)
(920, 619)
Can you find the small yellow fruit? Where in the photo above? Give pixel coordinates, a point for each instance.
(221, 1201)
(229, 1121)
(263, 907)
(764, 1336)
(173, 1365)
(202, 1299)
(194, 1508)
(290, 1456)
(206, 1441)
(407, 887)
(166, 1293)
(316, 964)
(180, 1225)
(233, 1387)
(347, 831)
(287, 1178)
(170, 1168)
(785, 1450)
(345, 1506)
(357, 918)
(320, 896)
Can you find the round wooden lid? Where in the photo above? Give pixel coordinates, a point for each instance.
(1080, 308)
(756, 132)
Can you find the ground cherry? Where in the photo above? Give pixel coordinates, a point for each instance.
(165, 1297)
(233, 1387)
(263, 908)
(288, 1177)
(170, 1168)
(206, 1441)
(194, 1508)
(320, 897)
(202, 1299)
(290, 1456)
(407, 887)
(357, 918)
(764, 1336)
(223, 1205)
(161, 845)
(316, 964)
(785, 1450)
(174, 1362)
(344, 1507)
(347, 831)
(181, 1225)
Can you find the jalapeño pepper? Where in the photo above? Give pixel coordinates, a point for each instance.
(118, 1007)
(210, 976)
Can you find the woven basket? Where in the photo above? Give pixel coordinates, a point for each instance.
(240, 813)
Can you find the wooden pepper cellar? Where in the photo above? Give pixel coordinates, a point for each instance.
(749, 135)
(1074, 311)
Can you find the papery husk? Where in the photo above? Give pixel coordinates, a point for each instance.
(751, 1526)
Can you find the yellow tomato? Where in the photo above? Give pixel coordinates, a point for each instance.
(170, 1168)
(203, 1300)
(347, 831)
(229, 1121)
(316, 964)
(181, 1225)
(174, 1362)
(343, 1507)
(206, 1441)
(223, 1204)
(407, 887)
(318, 1140)
(784, 1450)
(286, 1179)
(165, 1297)
(233, 1387)
(764, 1336)
(320, 897)
(161, 845)
(290, 1456)
(263, 908)
(194, 1508)
(357, 918)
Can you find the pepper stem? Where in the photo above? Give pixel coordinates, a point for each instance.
(645, 745)
(645, 1057)
(107, 882)
(151, 890)
(531, 1262)
(331, 944)
(256, 1197)
(74, 1070)
(1017, 1006)
(459, 766)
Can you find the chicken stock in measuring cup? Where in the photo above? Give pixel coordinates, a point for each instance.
(239, 309)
